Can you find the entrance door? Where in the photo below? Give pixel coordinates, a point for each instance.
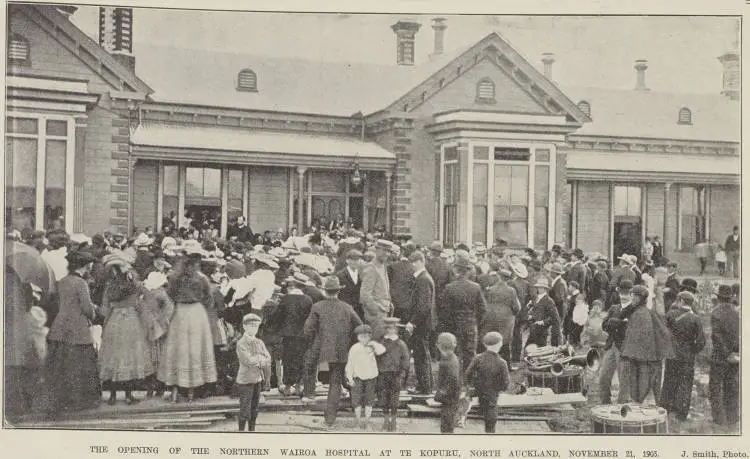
(326, 209)
(627, 236)
(356, 211)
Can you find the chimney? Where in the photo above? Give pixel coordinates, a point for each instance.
(405, 33)
(640, 66)
(730, 61)
(116, 34)
(438, 25)
(548, 59)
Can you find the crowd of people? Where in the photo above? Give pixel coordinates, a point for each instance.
(185, 315)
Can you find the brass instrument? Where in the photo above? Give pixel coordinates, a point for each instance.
(542, 358)
(590, 360)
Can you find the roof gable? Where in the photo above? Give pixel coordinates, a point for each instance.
(496, 49)
(49, 19)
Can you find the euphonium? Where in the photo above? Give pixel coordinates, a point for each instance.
(590, 360)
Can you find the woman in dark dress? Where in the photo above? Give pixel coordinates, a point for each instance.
(71, 369)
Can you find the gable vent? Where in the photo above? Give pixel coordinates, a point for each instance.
(18, 49)
(486, 91)
(585, 107)
(247, 80)
(685, 116)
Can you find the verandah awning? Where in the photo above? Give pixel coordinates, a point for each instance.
(234, 146)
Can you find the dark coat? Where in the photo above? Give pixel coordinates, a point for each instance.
(579, 273)
(523, 290)
(291, 313)
(615, 324)
(349, 292)
(71, 325)
(422, 312)
(502, 307)
(725, 332)
(244, 234)
(400, 275)
(559, 295)
(441, 275)
(730, 245)
(673, 284)
(687, 333)
(599, 287)
(647, 337)
(488, 373)
(395, 358)
(544, 309)
(464, 302)
(448, 389)
(314, 293)
(330, 326)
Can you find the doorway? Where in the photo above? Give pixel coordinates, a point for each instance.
(627, 236)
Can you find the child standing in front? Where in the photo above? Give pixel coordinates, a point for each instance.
(393, 366)
(448, 391)
(488, 373)
(362, 373)
(721, 260)
(254, 374)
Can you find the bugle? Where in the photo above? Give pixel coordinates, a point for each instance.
(590, 360)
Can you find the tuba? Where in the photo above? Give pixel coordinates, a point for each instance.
(590, 360)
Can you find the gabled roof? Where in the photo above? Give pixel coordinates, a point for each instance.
(648, 114)
(204, 77)
(75, 39)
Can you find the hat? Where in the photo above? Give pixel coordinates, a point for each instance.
(267, 260)
(640, 290)
(332, 284)
(79, 258)
(505, 272)
(250, 318)
(689, 285)
(299, 278)
(479, 248)
(626, 258)
(578, 253)
(305, 259)
(353, 254)
(116, 258)
(556, 268)
(79, 238)
(391, 321)
(492, 338)
(235, 269)
(384, 244)
(724, 292)
(518, 268)
(542, 282)
(447, 253)
(363, 329)
(463, 259)
(143, 240)
(436, 246)
(625, 285)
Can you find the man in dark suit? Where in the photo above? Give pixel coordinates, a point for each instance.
(543, 316)
(723, 383)
(330, 327)
(440, 272)
(400, 273)
(351, 282)
(672, 286)
(732, 247)
(558, 290)
(241, 231)
(421, 321)
(578, 272)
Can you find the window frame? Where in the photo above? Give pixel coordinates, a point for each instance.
(41, 161)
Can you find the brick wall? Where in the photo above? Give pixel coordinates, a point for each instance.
(593, 217)
(145, 179)
(269, 198)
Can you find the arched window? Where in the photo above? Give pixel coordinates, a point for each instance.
(18, 49)
(486, 91)
(585, 107)
(247, 80)
(685, 116)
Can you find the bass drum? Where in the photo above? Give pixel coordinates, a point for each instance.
(626, 419)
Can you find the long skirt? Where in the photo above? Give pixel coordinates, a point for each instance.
(188, 356)
(125, 354)
(72, 377)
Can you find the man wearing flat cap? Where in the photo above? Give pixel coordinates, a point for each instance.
(329, 327)
(723, 384)
(375, 293)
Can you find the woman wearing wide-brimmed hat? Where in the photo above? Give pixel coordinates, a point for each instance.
(71, 370)
(125, 355)
(188, 358)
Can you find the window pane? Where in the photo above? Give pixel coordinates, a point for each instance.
(20, 183)
(634, 201)
(329, 181)
(22, 125)
(235, 184)
(170, 180)
(482, 153)
(56, 127)
(479, 225)
(518, 213)
(541, 186)
(502, 185)
(515, 233)
(54, 188)
(511, 154)
(212, 183)
(452, 183)
(480, 184)
(451, 154)
(540, 228)
(687, 200)
(519, 185)
(23, 153)
(170, 204)
(542, 156)
(194, 181)
(621, 200)
(234, 210)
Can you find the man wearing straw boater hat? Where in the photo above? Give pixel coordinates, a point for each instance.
(329, 328)
(543, 316)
